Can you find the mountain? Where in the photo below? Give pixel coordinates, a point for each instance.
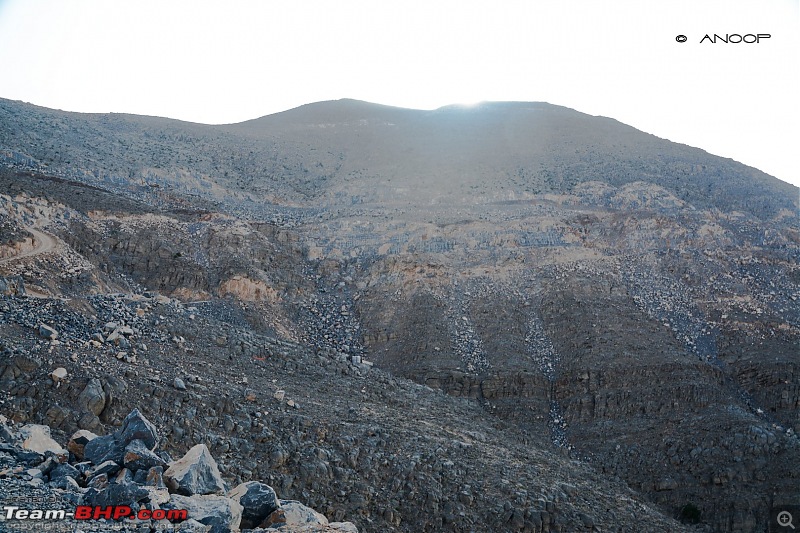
(606, 311)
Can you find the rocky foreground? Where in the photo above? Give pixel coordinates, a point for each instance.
(122, 479)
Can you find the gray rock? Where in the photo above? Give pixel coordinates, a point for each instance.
(136, 426)
(93, 398)
(114, 387)
(6, 434)
(192, 526)
(28, 457)
(179, 384)
(89, 421)
(36, 438)
(105, 448)
(588, 520)
(66, 483)
(124, 492)
(59, 374)
(221, 513)
(343, 527)
(298, 515)
(257, 499)
(49, 464)
(140, 476)
(64, 470)
(195, 473)
(108, 467)
(47, 332)
(139, 457)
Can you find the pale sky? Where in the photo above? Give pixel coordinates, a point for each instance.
(222, 62)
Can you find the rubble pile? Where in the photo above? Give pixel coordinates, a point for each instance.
(126, 469)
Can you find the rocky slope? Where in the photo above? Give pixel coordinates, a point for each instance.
(120, 481)
(613, 317)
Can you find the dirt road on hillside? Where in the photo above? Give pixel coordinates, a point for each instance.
(44, 243)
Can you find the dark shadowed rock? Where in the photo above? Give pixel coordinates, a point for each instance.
(258, 500)
(122, 492)
(6, 435)
(64, 470)
(104, 448)
(195, 473)
(107, 468)
(139, 457)
(47, 332)
(136, 426)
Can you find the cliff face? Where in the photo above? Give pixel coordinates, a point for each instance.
(583, 287)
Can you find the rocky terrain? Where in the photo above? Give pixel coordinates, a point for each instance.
(143, 488)
(513, 317)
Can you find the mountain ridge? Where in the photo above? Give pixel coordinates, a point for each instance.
(577, 286)
(524, 152)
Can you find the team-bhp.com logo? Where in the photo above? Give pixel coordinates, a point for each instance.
(728, 38)
(90, 512)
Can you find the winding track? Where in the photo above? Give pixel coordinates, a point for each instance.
(45, 243)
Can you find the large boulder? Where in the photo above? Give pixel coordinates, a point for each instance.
(223, 514)
(105, 448)
(64, 470)
(136, 426)
(195, 473)
(93, 398)
(122, 491)
(298, 515)
(37, 438)
(257, 499)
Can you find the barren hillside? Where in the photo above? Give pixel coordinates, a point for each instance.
(509, 317)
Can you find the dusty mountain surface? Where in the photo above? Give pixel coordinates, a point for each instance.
(509, 317)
